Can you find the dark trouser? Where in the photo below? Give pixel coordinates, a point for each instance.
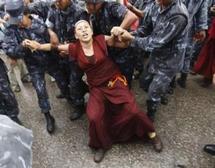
(77, 87)
(8, 103)
(37, 74)
(124, 59)
(156, 84)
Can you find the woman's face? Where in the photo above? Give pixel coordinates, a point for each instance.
(83, 31)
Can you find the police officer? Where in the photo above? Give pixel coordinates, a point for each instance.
(40, 8)
(8, 103)
(140, 7)
(165, 30)
(61, 22)
(198, 24)
(106, 15)
(22, 26)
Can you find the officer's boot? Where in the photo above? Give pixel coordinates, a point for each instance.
(50, 122)
(16, 119)
(164, 100)
(210, 148)
(206, 82)
(77, 113)
(182, 80)
(151, 109)
(172, 86)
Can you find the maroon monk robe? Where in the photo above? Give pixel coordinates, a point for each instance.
(112, 110)
(205, 65)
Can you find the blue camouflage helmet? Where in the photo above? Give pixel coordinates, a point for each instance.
(2, 3)
(15, 9)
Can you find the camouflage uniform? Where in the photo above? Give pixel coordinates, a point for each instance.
(8, 103)
(37, 62)
(197, 46)
(164, 32)
(112, 14)
(143, 5)
(40, 8)
(210, 14)
(198, 16)
(140, 56)
(63, 24)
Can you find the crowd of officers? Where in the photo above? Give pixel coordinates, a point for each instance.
(163, 45)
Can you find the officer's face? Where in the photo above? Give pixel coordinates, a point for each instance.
(93, 7)
(26, 2)
(163, 2)
(83, 31)
(25, 22)
(62, 4)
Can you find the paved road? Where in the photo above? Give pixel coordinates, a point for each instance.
(185, 125)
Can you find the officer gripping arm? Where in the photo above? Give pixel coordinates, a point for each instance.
(159, 37)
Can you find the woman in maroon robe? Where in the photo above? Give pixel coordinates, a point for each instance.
(111, 109)
(205, 64)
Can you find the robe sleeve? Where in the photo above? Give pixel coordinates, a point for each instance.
(72, 51)
(100, 39)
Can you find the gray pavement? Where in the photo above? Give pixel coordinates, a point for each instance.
(185, 125)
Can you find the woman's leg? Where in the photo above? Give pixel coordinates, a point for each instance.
(98, 124)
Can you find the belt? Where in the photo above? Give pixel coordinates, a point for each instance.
(120, 77)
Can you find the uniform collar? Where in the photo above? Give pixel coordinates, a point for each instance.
(69, 9)
(167, 7)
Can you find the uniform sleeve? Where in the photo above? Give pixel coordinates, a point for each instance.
(202, 17)
(117, 10)
(146, 25)
(168, 32)
(11, 46)
(50, 21)
(73, 51)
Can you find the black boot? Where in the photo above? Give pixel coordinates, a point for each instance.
(50, 122)
(210, 149)
(206, 82)
(172, 86)
(151, 109)
(182, 80)
(16, 119)
(164, 100)
(60, 96)
(77, 113)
